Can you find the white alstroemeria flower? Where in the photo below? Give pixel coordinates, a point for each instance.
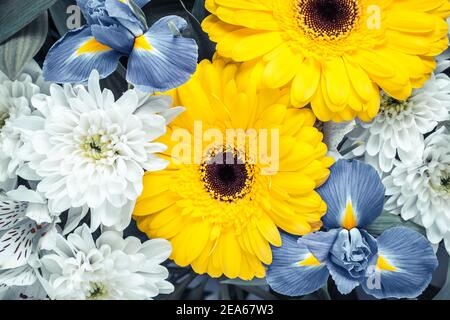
(399, 127)
(25, 219)
(26, 226)
(90, 150)
(421, 190)
(109, 268)
(18, 287)
(15, 102)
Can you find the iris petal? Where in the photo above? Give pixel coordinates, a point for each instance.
(161, 60)
(344, 284)
(76, 55)
(123, 12)
(354, 195)
(320, 243)
(405, 265)
(294, 271)
(116, 37)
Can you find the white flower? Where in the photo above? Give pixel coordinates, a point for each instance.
(399, 127)
(89, 150)
(19, 288)
(15, 102)
(109, 268)
(421, 190)
(24, 219)
(25, 225)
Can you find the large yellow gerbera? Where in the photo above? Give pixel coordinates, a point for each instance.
(222, 217)
(334, 54)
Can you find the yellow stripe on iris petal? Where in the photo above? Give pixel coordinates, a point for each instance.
(309, 261)
(349, 220)
(92, 46)
(142, 43)
(383, 264)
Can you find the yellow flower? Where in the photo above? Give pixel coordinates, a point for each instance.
(222, 217)
(334, 54)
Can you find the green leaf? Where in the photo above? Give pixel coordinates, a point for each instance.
(199, 11)
(224, 292)
(181, 287)
(16, 14)
(388, 220)
(444, 293)
(18, 50)
(140, 15)
(198, 292)
(321, 294)
(239, 282)
(60, 14)
(259, 292)
(116, 82)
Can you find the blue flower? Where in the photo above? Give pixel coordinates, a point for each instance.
(159, 58)
(398, 264)
(352, 252)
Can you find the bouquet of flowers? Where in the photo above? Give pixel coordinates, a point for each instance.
(181, 149)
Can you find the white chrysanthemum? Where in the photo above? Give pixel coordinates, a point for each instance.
(399, 127)
(89, 150)
(15, 102)
(109, 268)
(421, 190)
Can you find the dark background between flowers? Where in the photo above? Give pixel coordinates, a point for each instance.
(28, 29)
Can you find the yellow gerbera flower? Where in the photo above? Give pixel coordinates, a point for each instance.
(221, 217)
(334, 54)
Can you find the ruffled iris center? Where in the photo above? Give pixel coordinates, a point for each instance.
(352, 252)
(331, 19)
(226, 176)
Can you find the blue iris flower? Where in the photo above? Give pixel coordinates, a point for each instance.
(398, 264)
(159, 58)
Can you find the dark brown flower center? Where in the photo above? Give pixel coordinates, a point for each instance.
(226, 176)
(328, 18)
